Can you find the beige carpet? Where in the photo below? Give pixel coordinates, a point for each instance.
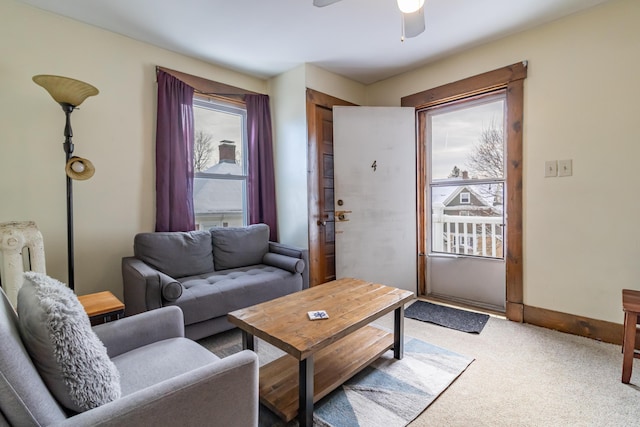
(525, 375)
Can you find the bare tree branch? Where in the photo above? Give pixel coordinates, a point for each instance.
(202, 150)
(486, 160)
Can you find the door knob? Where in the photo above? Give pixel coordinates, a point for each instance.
(342, 215)
(322, 223)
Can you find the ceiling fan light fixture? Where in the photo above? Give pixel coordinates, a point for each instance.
(410, 6)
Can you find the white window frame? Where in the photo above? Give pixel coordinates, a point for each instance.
(218, 105)
(465, 195)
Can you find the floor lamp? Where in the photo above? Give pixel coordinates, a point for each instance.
(69, 93)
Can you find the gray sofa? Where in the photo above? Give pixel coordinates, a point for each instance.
(165, 379)
(210, 273)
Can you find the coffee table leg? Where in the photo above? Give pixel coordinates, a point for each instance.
(305, 392)
(398, 332)
(248, 341)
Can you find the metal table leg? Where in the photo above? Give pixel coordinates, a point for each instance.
(248, 341)
(398, 332)
(305, 393)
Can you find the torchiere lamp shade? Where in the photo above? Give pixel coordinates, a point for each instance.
(65, 90)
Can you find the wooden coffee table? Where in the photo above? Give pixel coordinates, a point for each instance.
(322, 354)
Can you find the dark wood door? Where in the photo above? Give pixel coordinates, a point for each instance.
(322, 267)
(326, 220)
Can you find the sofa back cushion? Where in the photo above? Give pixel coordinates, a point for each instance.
(239, 246)
(175, 253)
(24, 398)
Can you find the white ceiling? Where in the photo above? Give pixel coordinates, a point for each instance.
(359, 39)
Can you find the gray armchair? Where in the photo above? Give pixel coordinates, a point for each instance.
(166, 379)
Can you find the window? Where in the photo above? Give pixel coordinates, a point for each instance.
(220, 164)
(466, 140)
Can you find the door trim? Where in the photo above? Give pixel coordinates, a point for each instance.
(314, 101)
(510, 78)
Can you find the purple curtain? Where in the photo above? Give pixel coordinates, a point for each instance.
(174, 155)
(261, 185)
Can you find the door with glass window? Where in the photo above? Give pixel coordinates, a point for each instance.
(465, 200)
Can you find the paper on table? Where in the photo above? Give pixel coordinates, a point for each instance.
(317, 315)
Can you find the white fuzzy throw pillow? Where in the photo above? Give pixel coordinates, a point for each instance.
(69, 356)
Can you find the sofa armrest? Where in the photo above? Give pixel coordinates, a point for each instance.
(142, 286)
(223, 393)
(295, 252)
(284, 262)
(126, 334)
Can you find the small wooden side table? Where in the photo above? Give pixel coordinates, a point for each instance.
(102, 307)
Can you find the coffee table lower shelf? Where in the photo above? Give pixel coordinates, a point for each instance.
(333, 365)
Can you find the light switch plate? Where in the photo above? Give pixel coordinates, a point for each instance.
(550, 168)
(565, 167)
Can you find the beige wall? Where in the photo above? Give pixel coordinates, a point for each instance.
(581, 103)
(288, 102)
(115, 130)
(331, 84)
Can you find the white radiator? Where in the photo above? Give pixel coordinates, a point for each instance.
(15, 237)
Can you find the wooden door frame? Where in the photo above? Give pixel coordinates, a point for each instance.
(510, 78)
(315, 100)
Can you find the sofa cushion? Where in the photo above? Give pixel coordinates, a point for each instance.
(209, 296)
(57, 333)
(176, 254)
(239, 246)
(141, 367)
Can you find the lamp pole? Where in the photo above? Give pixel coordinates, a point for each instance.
(68, 149)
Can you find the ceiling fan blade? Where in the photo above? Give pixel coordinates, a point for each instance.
(323, 3)
(414, 23)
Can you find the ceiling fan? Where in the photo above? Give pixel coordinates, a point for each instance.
(412, 15)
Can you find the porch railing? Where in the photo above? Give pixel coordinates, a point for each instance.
(468, 235)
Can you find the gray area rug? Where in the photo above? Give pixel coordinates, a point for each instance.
(387, 393)
(461, 320)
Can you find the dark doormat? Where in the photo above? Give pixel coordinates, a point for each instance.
(461, 320)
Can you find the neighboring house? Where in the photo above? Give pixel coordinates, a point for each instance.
(469, 200)
(455, 217)
(218, 202)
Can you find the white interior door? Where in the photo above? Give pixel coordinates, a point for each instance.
(375, 194)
